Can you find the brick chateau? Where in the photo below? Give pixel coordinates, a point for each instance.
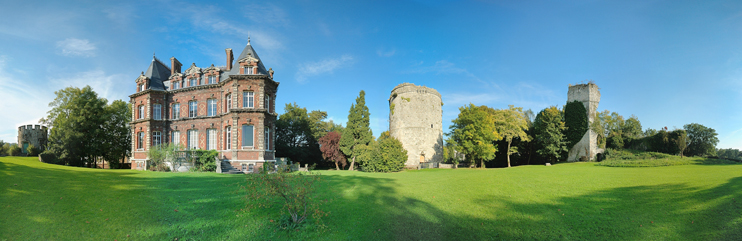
(229, 108)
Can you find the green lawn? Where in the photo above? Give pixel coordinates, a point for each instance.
(577, 201)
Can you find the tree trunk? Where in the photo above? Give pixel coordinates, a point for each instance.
(508, 152)
(481, 163)
(353, 162)
(336, 166)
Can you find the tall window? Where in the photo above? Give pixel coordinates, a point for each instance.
(247, 135)
(193, 81)
(229, 138)
(140, 140)
(192, 139)
(157, 111)
(267, 102)
(143, 87)
(176, 110)
(229, 103)
(156, 138)
(212, 79)
(192, 108)
(176, 138)
(211, 107)
(141, 112)
(248, 99)
(267, 138)
(211, 139)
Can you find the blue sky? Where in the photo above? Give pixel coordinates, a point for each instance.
(669, 63)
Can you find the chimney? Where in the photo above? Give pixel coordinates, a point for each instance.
(174, 66)
(230, 58)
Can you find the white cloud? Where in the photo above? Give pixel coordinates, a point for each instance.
(208, 18)
(22, 103)
(321, 67)
(76, 47)
(107, 86)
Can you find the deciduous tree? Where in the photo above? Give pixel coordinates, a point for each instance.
(549, 131)
(294, 137)
(702, 139)
(474, 133)
(511, 124)
(330, 147)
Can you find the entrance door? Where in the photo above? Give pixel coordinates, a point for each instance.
(25, 147)
(422, 158)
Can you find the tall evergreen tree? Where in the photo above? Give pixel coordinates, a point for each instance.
(357, 131)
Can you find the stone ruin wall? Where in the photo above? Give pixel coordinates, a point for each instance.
(589, 95)
(33, 134)
(415, 119)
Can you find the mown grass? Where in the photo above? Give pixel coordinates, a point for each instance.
(576, 201)
(634, 158)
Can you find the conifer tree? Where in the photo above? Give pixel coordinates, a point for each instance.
(357, 131)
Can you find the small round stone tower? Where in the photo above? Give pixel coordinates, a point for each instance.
(589, 95)
(415, 119)
(35, 135)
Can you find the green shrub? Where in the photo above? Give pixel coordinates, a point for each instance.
(205, 161)
(31, 150)
(51, 158)
(387, 155)
(14, 150)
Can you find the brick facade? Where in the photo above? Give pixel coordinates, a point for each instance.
(195, 103)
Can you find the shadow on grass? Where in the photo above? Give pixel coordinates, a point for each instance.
(660, 212)
(43, 202)
(144, 206)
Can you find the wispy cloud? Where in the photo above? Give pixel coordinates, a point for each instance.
(307, 70)
(24, 104)
(76, 47)
(266, 13)
(107, 86)
(209, 18)
(443, 67)
(383, 53)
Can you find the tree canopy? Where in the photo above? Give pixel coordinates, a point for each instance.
(294, 137)
(702, 140)
(511, 124)
(84, 128)
(474, 132)
(330, 147)
(549, 131)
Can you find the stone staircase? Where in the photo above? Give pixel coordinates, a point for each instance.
(229, 169)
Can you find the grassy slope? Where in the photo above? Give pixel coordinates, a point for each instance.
(565, 201)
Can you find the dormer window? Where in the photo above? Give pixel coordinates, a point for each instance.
(248, 70)
(142, 87)
(176, 85)
(212, 79)
(193, 81)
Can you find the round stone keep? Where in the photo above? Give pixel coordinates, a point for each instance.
(415, 119)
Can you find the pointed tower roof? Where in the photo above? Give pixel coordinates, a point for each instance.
(248, 51)
(157, 74)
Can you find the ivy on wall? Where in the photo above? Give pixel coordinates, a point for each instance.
(575, 119)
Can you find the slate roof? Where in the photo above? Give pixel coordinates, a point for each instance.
(157, 73)
(248, 49)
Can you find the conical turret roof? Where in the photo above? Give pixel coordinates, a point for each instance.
(248, 51)
(157, 74)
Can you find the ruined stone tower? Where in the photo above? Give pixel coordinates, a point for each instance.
(589, 95)
(35, 135)
(415, 119)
